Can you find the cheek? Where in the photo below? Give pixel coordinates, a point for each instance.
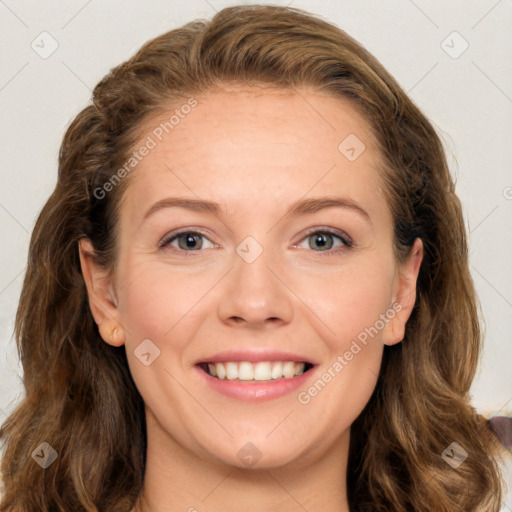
(348, 302)
(156, 300)
(354, 312)
(159, 308)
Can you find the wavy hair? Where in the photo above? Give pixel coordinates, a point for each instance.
(79, 394)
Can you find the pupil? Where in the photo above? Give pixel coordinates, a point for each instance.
(190, 240)
(320, 240)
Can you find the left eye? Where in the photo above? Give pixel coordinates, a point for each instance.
(322, 239)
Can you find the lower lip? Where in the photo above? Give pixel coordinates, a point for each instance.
(254, 390)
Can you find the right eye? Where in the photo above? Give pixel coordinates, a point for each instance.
(188, 241)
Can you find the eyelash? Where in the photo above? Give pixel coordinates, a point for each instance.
(347, 243)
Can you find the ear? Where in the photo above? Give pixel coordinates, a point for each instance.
(404, 295)
(102, 298)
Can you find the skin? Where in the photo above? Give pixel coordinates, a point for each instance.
(254, 151)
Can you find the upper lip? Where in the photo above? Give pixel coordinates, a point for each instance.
(254, 356)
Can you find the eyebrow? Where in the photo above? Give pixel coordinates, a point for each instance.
(300, 207)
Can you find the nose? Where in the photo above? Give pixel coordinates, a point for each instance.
(255, 294)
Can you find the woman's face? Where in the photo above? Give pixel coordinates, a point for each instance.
(290, 267)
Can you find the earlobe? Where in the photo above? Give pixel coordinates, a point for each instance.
(102, 298)
(113, 336)
(405, 294)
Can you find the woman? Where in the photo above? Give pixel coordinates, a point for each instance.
(185, 344)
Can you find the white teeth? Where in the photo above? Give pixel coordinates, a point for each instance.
(220, 370)
(231, 370)
(289, 369)
(245, 371)
(261, 371)
(277, 370)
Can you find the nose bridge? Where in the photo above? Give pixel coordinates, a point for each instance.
(255, 294)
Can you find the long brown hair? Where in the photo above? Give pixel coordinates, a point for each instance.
(80, 397)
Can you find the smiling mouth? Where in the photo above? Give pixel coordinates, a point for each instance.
(260, 371)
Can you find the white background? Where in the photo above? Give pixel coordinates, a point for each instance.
(468, 98)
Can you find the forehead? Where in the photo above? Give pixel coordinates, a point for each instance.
(253, 144)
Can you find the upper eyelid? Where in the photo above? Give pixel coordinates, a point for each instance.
(173, 234)
(332, 231)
